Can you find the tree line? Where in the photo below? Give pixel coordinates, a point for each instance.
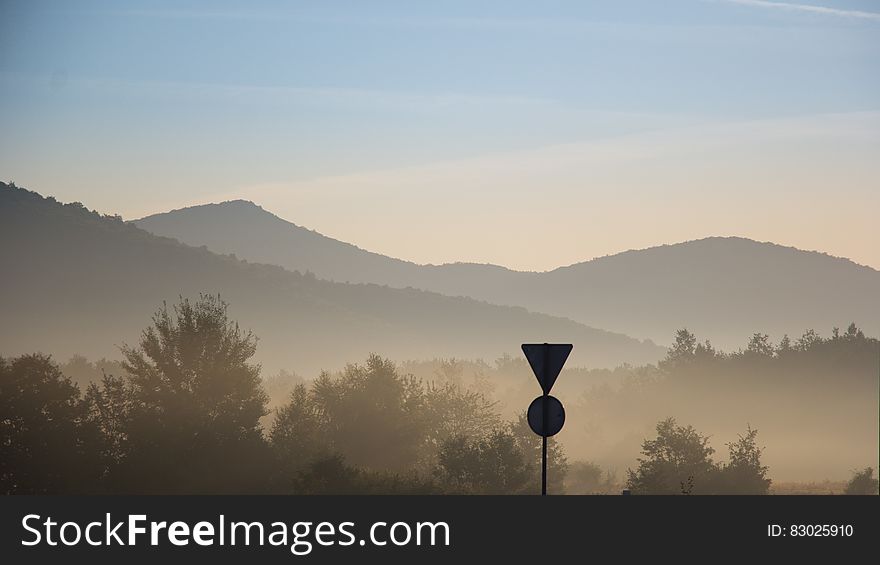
(185, 413)
(184, 416)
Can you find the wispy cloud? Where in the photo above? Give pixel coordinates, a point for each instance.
(282, 94)
(462, 22)
(791, 6)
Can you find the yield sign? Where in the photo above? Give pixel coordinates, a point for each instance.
(546, 360)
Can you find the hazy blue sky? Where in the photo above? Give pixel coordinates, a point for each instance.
(530, 134)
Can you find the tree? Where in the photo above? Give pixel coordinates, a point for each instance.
(109, 409)
(493, 464)
(453, 411)
(298, 436)
(193, 424)
(682, 351)
(863, 482)
(47, 445)
(853, 333)
(372, 415)
(678, 460)
(744, 473)
(376, 419)
(191, 371)
(785, 346)
(809, 340)
(705, 352)
(759, 344)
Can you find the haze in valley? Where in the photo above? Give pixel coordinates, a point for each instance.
(393, 197)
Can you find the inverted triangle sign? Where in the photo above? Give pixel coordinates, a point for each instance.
(546, 360)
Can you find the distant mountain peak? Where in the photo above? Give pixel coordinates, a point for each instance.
(720, 247)
(240, 202)
(235, 204)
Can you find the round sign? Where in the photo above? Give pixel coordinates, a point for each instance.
(555, 416)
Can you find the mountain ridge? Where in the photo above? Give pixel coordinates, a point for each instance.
(600, 292)
(254, 205)
(85, 283)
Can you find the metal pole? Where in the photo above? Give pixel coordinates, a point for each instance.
(544, 462)
(544, 424)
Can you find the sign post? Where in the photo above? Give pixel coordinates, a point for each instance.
(546, 415)
(544, 426)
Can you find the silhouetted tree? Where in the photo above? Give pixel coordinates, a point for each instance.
(195, 403)
(744, 473)
(191, 368)
(376, 418)
(493, 464)
(785, 346)
(682, 351)
(298, 437)
(109, 408)
(687, 356)
(372, 415)
(452, 411)
(678, 455)
(47, 445)
(759, 344)
(863, 482)
(679, 461)
(183, 412)
(808, 340)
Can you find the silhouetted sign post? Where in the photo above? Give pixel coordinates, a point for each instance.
(546, 414)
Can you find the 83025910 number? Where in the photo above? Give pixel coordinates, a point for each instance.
(810, 530)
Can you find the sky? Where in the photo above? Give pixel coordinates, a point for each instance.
(525, 134)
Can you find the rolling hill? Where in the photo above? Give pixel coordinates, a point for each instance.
(77, 282)
(723, 288)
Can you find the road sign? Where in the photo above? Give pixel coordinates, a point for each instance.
(555, 416)
(546, 360)
(546, 414)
